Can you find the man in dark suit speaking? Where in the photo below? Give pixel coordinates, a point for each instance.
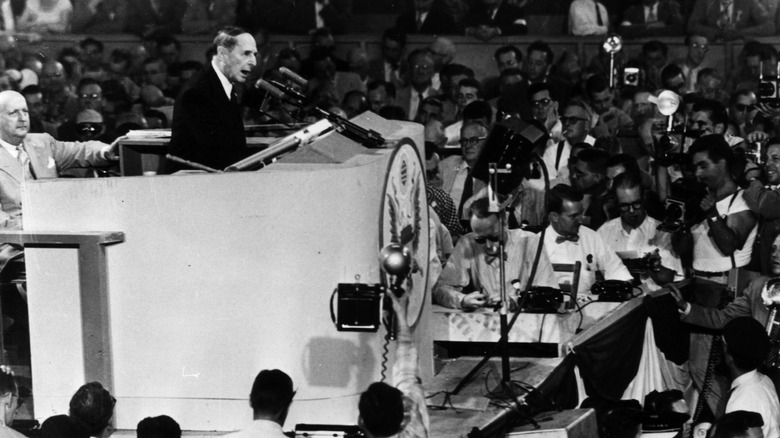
(207, 124)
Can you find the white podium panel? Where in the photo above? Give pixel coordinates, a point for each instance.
(219, 277)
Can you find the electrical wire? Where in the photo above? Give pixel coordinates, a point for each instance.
(385, 352)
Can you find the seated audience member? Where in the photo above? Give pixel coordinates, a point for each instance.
(738, 424)
(651, 18)
(479, 111)
(90, 97)
(729, 20)
(391, 66)
(589, 176)
(91, 409)
(506, 57)
(695, 59)
(488, 19)
(45, 16)
(544, 108)
(673, 79)
(449, 78)
(588, 17)
(471, 279)
(430, 109)
(357, 59)
(147, 20)
(622, 163)
(429, 17)
(9, 397)
(575, 124)
(637, 232)
(355, 103)
(380, 94)
(568, 71)
(513, 97)
(161, 426)
(59, 97)
(421, 66)
(763, 199)
(270, 399)
(455, 171)
(709, 84)
(206, 17)
(566, 241)
(745, 75)
(397, 411)
(34, 97)
(469, 90)
(611, 119)
(324, 75)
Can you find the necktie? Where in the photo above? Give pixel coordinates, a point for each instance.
(419, 21)
(24, 160)
(234, 96)
(560, 239)
(599, 20)
(468, 190)
(774, 339)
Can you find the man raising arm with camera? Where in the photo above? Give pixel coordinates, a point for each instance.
(764, 201)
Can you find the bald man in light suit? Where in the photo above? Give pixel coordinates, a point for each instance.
(46, 157)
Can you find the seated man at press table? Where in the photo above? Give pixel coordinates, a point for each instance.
(635, 231)
(566, 241)
(470, 279)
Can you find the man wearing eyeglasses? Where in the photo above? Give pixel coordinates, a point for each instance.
(636, 234)
(566, 241)
(698, 46)
(455, 171)
(421, 70)
(471, 278)
(575, 125)
(742, 110)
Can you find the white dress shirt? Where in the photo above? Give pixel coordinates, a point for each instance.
(591, 251)
(583, 19)
(755, 392)
(643, 239)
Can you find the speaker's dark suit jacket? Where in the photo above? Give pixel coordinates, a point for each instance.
(207, 128)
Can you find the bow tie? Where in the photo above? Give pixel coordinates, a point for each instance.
(575, 238)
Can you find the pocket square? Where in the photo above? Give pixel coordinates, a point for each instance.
(51, 164)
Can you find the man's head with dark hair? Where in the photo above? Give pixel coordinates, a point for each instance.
(393, 45)
(738, 424)
(450, 76)
(469, 90)
(508, 57)
(271, 396)
(540, 57)
(541, 96)
(565, 209)
(355, 102)
(381, 410)
(630, 196)
(712, 160)
(161, 426)
(589, 173)
(422, 68)
(599, 93)
(746, 344)
(380, 94)
(621, 163)
(698, 46)
(480, 111)
(92, 407)
(430, 109)
(708, 117)
(673, 78)
(576, 121)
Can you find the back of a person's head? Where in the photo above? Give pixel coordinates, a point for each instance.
(478, 110)
(561, 193)
(736, 424)
(595, 159)
(91, 407)
(746, 342)
(161, 426)
(381, 409)
(272, 392)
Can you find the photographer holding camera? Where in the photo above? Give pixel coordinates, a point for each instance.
(763, 198)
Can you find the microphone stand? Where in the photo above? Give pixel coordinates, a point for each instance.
(503, 343)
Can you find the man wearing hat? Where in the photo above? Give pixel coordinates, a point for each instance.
(271, 396)
(746, 345)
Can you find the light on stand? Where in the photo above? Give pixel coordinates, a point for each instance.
(667, 102)
(613, 44)
(396, 261)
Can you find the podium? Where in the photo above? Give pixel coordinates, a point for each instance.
(222, 275)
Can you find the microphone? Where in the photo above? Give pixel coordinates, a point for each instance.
(396, 260)
(295, 77)
(270, 89)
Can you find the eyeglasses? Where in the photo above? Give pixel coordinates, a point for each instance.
(471, 141)
(87, 128)
(627, 206)
(541, 103)
(567, 120)
(704, 47)
(743, 108)
(422, 66)
(483, 239)
(93, 96)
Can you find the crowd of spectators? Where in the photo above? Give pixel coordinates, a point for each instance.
(613, 154)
